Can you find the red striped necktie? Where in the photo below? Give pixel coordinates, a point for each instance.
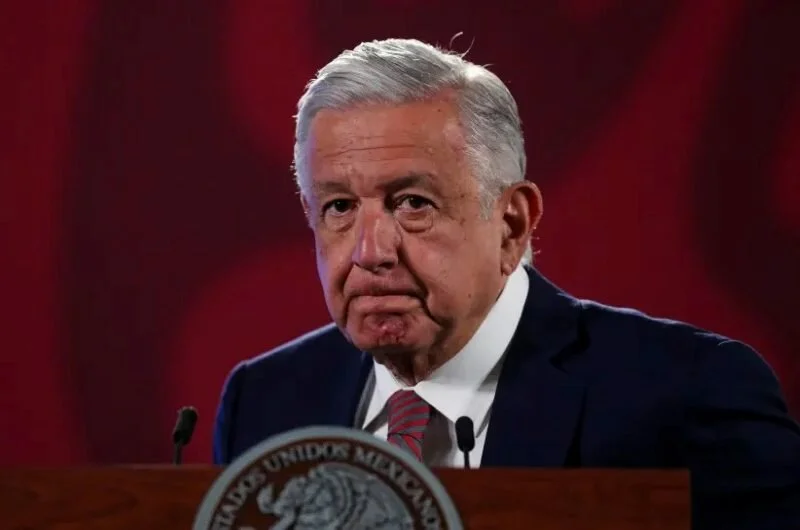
(409, 415)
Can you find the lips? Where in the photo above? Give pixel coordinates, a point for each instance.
(391, 302)
(379, 290)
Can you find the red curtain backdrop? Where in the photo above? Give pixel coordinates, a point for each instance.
(151, 236)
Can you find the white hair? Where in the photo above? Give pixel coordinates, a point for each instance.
(397, 71)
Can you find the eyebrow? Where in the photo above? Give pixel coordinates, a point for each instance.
(329, 187)
(408, 180)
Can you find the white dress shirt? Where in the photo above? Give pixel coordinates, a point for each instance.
(464, 386)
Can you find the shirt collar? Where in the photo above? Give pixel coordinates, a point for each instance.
(457, 387)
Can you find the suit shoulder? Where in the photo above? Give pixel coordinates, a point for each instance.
(302, 349)
(249, 384)
(639, 329)
(672, 353)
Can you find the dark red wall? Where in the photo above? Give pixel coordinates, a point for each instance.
(151, 238)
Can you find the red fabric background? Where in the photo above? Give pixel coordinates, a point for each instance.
(151, 238)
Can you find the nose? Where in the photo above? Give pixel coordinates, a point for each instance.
(377, 241)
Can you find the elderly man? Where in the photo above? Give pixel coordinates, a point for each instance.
(411, 169)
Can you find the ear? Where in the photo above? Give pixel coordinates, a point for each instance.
(523, 211)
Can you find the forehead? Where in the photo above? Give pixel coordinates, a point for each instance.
(380, 142)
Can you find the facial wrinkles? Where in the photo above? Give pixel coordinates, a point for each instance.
(370, 152)
(368, 177)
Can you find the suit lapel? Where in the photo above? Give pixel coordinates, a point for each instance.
(342, 377)
(537, 405)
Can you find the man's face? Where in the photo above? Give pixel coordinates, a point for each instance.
(407, 262)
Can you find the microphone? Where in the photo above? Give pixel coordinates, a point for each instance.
(465, 438)
(182, 433)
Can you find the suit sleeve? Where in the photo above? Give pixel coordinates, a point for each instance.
(225, 421)
(744, 448)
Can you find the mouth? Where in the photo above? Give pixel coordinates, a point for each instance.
(384, 303)
(377, 290)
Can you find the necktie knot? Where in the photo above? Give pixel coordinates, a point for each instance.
(409, 415)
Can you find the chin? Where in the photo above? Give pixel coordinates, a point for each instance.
(390, 334)
(387, 346)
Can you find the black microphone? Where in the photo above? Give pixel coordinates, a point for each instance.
(465, 437)
(182, 434)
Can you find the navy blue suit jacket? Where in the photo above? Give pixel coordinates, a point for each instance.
(582, 384)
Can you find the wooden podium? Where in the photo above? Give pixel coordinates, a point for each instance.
(160, 497)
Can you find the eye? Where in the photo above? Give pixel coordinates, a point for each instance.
(338, 206)
(413, 202)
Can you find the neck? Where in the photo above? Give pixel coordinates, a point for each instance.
(412, 367)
